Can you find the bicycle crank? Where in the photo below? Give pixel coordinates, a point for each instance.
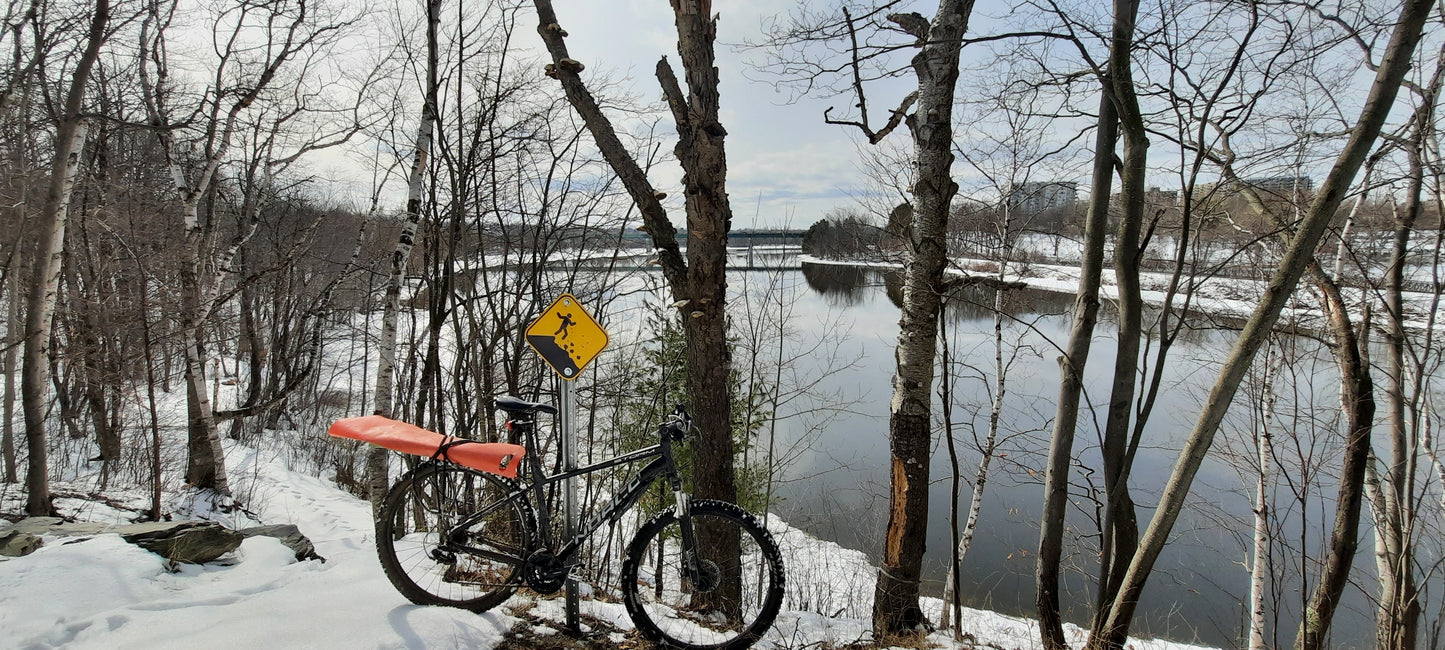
(545, 572)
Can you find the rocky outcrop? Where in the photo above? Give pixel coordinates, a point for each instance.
(289, 535)
(14, 543)
(193, 542)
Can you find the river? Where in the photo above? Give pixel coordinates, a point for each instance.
(837, 477)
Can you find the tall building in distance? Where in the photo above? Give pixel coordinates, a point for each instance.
(1041, 196)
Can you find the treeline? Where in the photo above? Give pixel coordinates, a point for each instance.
(196, 252)
(203, 266)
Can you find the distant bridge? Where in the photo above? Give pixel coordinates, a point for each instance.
(736, 238)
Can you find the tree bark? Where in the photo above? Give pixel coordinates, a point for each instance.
(1394, 64)
(376, 458)
(910, 428)
(700, 150)
(1259, 558)
(951, 585)
(1120, 526)
(1398, 619)
(50, 244)
(1357, 399)
(12, 329)
(1071, 378)
(699, 284)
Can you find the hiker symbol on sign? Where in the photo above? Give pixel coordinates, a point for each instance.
(567, 337)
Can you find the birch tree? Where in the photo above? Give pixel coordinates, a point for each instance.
(376, 458)
(50, 229)
(258, 50)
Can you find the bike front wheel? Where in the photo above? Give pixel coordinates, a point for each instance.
(728, 604)
(433, 560)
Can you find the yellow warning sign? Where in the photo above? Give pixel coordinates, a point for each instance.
(567, 337)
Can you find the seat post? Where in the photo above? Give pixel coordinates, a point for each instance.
(528, 425)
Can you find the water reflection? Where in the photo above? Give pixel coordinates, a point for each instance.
(847, 286)
(841, 285)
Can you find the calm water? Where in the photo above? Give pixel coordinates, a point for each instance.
(840, 475)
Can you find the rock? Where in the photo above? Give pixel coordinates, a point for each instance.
(14, 543)
(194, 542)
(289, 535)
(53, 526)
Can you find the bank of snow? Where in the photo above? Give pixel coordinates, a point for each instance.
(105, 593)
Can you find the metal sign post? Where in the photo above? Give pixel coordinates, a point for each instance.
(569, 495)
(568, 338)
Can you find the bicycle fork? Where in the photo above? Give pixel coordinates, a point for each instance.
(694, 569)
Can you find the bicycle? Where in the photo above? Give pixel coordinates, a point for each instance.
(451, 535)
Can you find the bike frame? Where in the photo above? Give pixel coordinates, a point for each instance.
(661, 465)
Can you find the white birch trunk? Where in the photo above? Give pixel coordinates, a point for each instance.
(376, 460)
(980, 478)
(1259, 562)
(12, 333)
(40, 315)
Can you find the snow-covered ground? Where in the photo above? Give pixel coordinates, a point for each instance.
(102, 592)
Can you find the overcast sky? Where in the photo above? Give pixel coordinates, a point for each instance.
(785, 166)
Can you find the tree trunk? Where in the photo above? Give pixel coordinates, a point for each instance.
(1259, 558)
(50, 244)
(699, 284)
(1120, 534)
(1393, 66)
(376, 458)
(1398, 619)
(980, 477)
(895, 597)
(700, 150)
(12, 330)
(40, 308)
(1071, 379)
(1357, 399)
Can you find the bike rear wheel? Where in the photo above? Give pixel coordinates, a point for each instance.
(432, 562)
(739, 595)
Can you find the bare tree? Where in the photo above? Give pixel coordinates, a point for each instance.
(699, 284)
(286, 33)
(40, 308)
(376, 460)
(1394, 64)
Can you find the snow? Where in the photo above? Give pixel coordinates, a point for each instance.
(101, 592)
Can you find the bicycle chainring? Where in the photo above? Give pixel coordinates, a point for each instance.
(545, 572)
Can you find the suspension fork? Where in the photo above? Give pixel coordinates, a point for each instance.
(692, 567)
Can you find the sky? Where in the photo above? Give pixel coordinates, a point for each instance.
(785, 166)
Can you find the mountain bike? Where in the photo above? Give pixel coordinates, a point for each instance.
(451, 535)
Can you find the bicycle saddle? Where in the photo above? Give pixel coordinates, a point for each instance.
(515, 405)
